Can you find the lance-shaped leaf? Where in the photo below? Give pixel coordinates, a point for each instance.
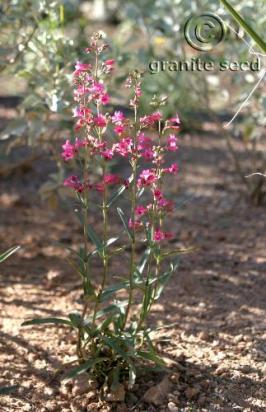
(122, 217)
(43, 321)
(119, 192)
(84, 367)
(6, 390)
(257, 39)
(144, 260)
(110, 290)
(95, 240)
(8, 253)
(151, 356)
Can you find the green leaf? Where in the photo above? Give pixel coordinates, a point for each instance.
(104, 325)
(257, 39)
(113, 308)
(111, 240)
(178, 251)
(95, 240)
(116, 195)
(54, 321)
(15, 128)
(75, 319)
(114, 344)
(8, 253)
(151, 356)
(110, 290)
(161, 284)
(83, 368)
(144, 261)
(122, 217)
(146, 301)
(115, 377)
(6, 390)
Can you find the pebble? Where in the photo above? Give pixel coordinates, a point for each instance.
(81, 385)
(172, 407)
(192, 392)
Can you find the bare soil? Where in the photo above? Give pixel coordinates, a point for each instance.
(211, 315)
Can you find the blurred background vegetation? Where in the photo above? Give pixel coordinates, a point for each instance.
(41, 40)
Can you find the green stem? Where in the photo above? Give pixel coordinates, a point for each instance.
(85, 242)
(151, 256)
(133, 232)
(258, 40)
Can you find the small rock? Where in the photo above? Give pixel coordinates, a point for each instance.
(51, 406)
(117, 395)
(238, 338)
(202, 400)
(81, 385)
(76, 406)
(91, 395)
(175, 377)
(66, 389)
(221, 370)
(246, 369)
(92, 407)
(121, 407)
(170, 363)
(172, 407)
(191, 393)
(204, 335)
(49, 391)
(157, 394)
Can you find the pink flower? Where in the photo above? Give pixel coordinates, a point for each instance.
(165, 204)
(111, 179)
(140, 210)
(79, 144)
(105, 99)
(119, 129)
(97, 88)
(173, 169)
(81, 67)
(175, 120)
(147, 178)
(81, 111)
(109, 65)
(174, 123)
(69, 151)
(99, 187)
(118, 117)
(172, 143)
(100, 120)
(168, 235)
(124, 147)
(160, 235)
(136, 224)
(107, 154)
(74, 183)
(109, 62)
(148, 154)
(144, 142)
(80, 91)
(157, 194)
(150, 119)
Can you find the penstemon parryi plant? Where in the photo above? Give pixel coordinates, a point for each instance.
(112, 335)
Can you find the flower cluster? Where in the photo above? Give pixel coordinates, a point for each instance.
(102, 135)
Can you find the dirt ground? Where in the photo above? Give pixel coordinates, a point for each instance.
(211, 315)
